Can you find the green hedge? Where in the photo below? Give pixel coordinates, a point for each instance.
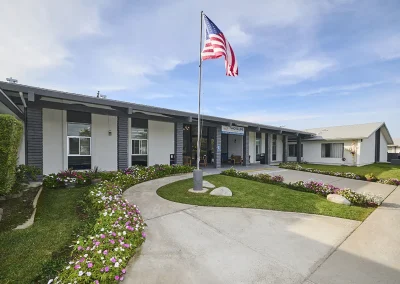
(11, 130)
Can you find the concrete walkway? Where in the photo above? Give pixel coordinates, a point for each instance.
(192, 244)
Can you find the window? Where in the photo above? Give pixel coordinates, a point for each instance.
(293, 150)
(79, 139)
(274, 147)
(332, 150)
(139, 141)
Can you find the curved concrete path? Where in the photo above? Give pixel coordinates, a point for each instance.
(195, 244)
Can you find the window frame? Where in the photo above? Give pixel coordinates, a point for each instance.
(295, 150)
(79, 139)
(330, 150)
(140, 142)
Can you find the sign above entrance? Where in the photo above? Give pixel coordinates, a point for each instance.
(236, 130)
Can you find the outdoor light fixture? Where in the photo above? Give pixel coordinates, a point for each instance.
(109, 132)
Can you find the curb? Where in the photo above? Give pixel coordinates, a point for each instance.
(30, 221)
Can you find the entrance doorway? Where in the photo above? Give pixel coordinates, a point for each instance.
(207, 135)
(231, 148)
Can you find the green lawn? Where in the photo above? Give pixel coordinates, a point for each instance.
(23, 252)
(380, 170)
(252, 194)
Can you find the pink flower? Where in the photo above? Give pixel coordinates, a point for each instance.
(124, 271)
(79, 248)
(116, 277)
(121, 278)
(96, 282)
(77, 266)
(97, 243)
(126, 245)
(143, 234)
(106, 268)
(88, 248)
(102, 236)
(90, 265)
(105, 252)
(113, 260)
(112, 241)
(82, 259)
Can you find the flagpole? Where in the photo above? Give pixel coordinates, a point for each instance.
(200, 73)
(198, 174)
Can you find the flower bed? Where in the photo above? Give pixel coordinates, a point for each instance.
(103, 255)
(360, 199)
(369, 177)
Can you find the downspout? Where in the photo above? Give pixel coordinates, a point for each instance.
(25, 127)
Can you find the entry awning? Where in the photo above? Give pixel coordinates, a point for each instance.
(9, 105)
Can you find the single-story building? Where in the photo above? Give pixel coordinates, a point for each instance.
(358, 144)
(66, 130)
(395, 147)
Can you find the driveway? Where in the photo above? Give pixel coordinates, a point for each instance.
(356, 185)
(192, 244)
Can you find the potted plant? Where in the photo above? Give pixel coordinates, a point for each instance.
(96, 178)
(370, 177)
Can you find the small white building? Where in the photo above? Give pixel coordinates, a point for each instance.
(395, 147)
(353, 145)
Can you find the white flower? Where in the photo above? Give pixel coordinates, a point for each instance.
(85, 255)
(116, 264)
(99, 251)
(50, 281)
(102, 258)
(71, 262)
(80, 273)
(119, 234)
(77, 242)
(120, 260)
(68, 267)
(88, 273)
(102, 229)
(105, 213)
(124, 233)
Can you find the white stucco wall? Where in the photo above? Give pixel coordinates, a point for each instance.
(252, 147)
(161, 142)
(104, 147)
(235, 148)
(312, 153)
(383, 149)
(53, 156)
(367, 151)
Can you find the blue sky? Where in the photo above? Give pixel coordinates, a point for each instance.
(302, 64)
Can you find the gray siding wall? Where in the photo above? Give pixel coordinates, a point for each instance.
(299, 149)
(122, 142)
(34, 128)
(179, 143)
(218, 146)
(246, 143)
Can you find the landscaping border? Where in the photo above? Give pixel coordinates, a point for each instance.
(359, 199)
(118, 232)
(368, 177)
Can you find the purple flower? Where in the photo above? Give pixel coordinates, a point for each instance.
(124, 271)
(97, 243)
(82, 259)
(105, 252)
(90, 265)
(106, 269)
(79, 248)
(116, 277)
(112, 241)
(113, 260)
(102, 236)
(143, 234)
(77, 266)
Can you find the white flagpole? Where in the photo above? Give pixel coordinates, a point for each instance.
(198, 174)
(198, 116)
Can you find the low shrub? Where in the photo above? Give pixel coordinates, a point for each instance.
(371, 177)
(360, 199)
(391, 181)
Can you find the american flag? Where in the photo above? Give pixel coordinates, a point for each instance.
(217, 45)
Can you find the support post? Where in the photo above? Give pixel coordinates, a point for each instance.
(34, 129)
(179, 143)
(217, 147)
(285, 148)
(122, 142)
(246, 142)
(298, 149)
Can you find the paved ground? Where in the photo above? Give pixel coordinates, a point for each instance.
(371, 254)
(191, 244)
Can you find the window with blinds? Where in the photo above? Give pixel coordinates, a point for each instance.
(332, 150)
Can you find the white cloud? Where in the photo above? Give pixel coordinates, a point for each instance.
(34, 36)
(303, 69)
(238, 36)
(387, 48)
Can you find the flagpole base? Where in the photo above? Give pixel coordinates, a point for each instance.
(198, 180)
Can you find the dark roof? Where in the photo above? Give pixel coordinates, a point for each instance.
(136, 107)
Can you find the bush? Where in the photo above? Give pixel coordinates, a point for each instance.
(361, 199)
(11, 130)
(24, 174)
